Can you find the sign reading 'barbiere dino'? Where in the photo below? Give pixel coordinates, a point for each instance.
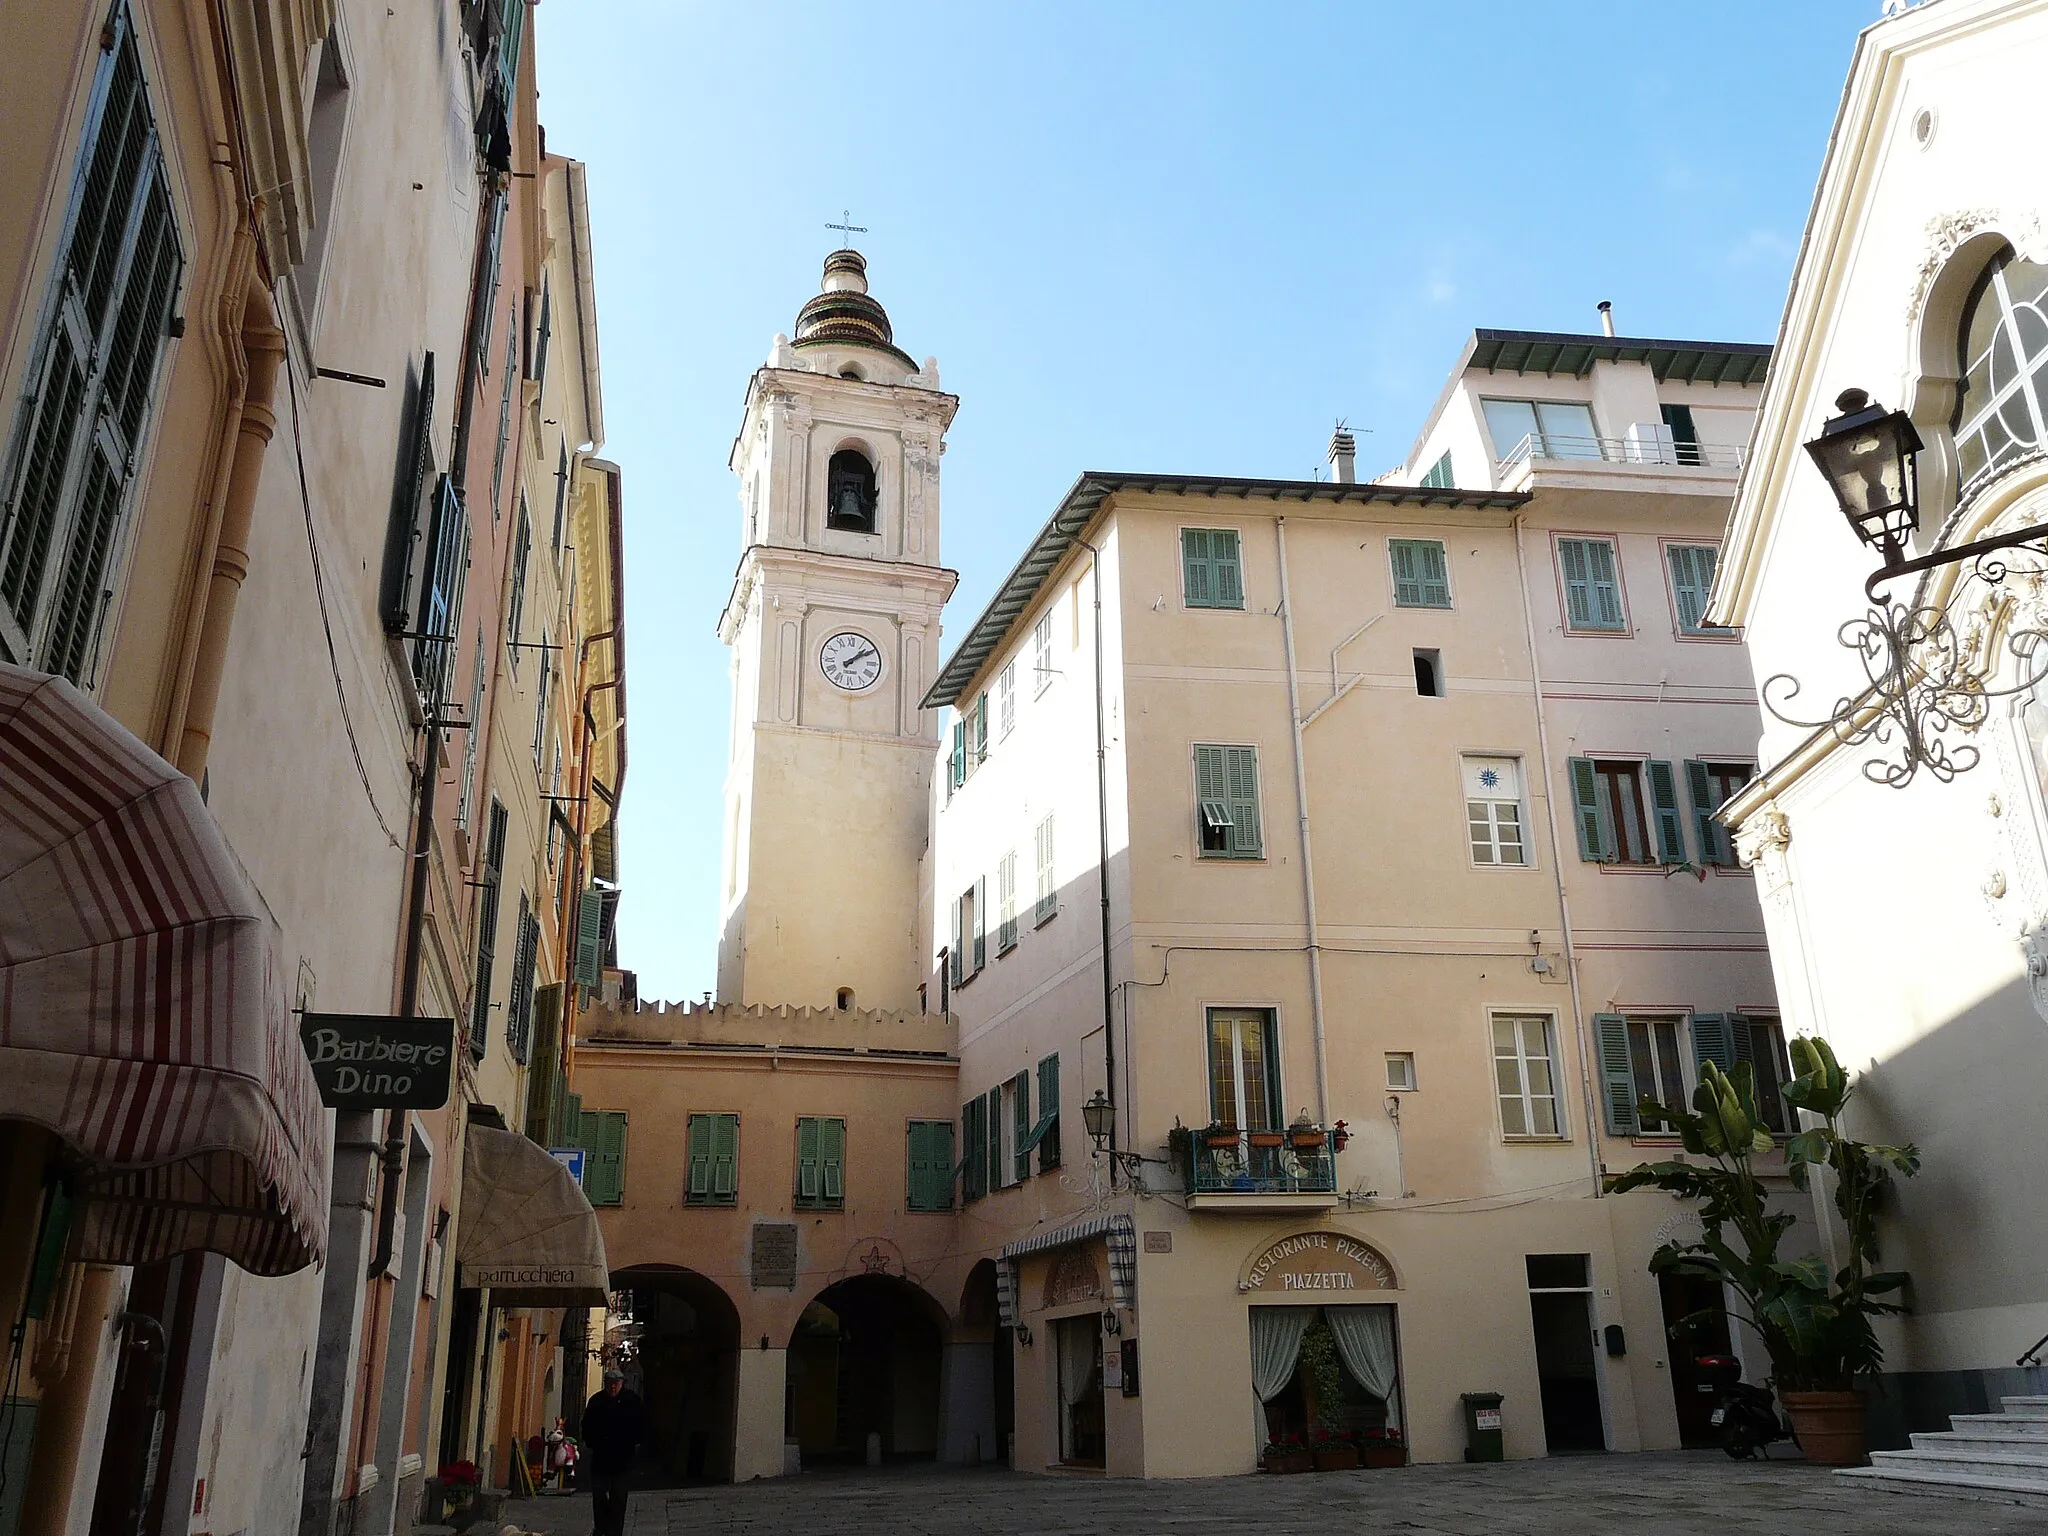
(371, 1061)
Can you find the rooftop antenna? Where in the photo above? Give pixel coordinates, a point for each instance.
(847, 227)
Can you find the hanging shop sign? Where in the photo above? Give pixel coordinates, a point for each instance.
(374, 1061)
(1318, 1261)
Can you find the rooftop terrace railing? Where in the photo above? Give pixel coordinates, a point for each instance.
(1551, 447)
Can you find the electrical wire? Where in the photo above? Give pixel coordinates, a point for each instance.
(320, 594)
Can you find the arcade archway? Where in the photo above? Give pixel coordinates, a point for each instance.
(865, 1360)
(678, 1348)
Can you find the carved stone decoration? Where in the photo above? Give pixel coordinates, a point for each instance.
(1947, 233)
(1760, 843)
(874, 1256)
(1073, 1277)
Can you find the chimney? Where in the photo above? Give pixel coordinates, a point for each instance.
(1343, 456)
(1606, 317)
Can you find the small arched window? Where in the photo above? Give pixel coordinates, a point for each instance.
(2002, 407)
(850, 493)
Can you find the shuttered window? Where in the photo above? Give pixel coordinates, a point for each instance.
(1024, 1127)
(1617, 1074)
(1692, 579)
(561, 498)
(515, 602)
(1006, 700)
(444, 572)
(589, 937)
(544, 1082)
(1047, 1131)
(974, 1148)
(469, 737)
(930, 1171)
(1211, 575)
(1664, 808)
(1609, 813)
(1421, 577)
(602, 1135)
(977, 904)
(487, 930)
(1592, 589)
(1041, 654)
(714, 1160)
(525, 956)
(1440, 477)
(1709, 786)
(820, 1164)
(76, 440)
(1006, 903)
(540, 714)
(1048, 890)
(1227, 802)
(992, 1122)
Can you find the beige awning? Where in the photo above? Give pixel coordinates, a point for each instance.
(143, 1012)
(528, 1233)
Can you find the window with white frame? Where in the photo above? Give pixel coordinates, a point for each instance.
(1553, 429)
(1421, 574)
(2002, 407)
(1006, 700)
(1401, 1071)
(1525, 1074)
(1493, 810)
(1244, 1069)
(1048, 889)
(1041, 654)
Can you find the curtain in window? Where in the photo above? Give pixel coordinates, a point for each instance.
(1077, 1338)
(1365, 1341)
(1276, 1345)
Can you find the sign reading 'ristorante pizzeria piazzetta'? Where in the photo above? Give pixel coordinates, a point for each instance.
(1318, 1261)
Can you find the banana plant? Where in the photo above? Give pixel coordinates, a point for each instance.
(1815, 1326)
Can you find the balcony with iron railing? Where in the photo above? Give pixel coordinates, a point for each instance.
(1225, 1169)
(1550, 449)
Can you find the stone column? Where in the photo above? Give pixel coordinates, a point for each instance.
(758, 1399)
(967, 1404)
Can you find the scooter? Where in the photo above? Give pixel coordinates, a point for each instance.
(1746, 1416)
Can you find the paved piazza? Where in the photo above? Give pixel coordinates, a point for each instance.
(1677, 1492)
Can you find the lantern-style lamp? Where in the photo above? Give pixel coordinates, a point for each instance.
(1866, 454)
(1099, 1116)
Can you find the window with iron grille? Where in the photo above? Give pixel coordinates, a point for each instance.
(78, 432)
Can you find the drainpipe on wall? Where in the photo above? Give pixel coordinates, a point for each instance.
(1102, 857)
(1308, 867)
(1590, 1104)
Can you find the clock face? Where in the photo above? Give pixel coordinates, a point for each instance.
(850, 661)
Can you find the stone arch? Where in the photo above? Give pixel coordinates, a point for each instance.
(679, 1349)
(866, 1358)
(853, 484)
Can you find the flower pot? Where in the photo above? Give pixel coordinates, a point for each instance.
(1383, 1455)
(1267, 1139)
(1306, 1143)
(1219, 1138)
(1336, 1458)
(1828, 1426)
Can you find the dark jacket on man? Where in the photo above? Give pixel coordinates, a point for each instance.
(613, 1427)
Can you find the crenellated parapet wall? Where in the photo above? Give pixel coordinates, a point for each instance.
(760, 1027)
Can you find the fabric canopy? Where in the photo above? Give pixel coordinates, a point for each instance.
(528, 1233)
(143, 1017)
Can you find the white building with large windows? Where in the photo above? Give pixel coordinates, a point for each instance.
(1355, 842)
(1907, 923)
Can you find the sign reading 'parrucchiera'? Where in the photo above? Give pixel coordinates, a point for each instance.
(373, 1061)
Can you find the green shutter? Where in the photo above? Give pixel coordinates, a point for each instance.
(1606, 585)
(832, 1159)
(1211, 788)
(1049, 1113)
(1596, 835)
(1229, 573)
(1436, 582)
(603, 1139)
(981, 728)
(1198, 584)
(1020, 1092)
(959, 752)
(1241, 774)
(1616, 1078)
(697, 1190)
(1670, 825)
(931, 1165)
(1716, 847)
(1692, 578)
(992, 1128)
(1578, 599)
(568, 1125)
(1421, 579)
(980, 926)
(1407, 577)
(956, 958)
(725, 1158)
(974, 1176)
(589, 935)
(1713, 1039)
(809, 1173)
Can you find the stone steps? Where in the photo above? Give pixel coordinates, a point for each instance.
(2001, 1457)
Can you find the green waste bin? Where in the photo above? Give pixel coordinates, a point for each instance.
(1482, 1426)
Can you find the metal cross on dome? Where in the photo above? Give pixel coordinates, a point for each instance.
(847, 227)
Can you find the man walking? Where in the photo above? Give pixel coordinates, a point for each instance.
(614, 1425)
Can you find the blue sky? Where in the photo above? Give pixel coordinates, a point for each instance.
(1177, 238)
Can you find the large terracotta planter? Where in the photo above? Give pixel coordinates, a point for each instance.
(1336, 1458)
(1290, 1461)
(1384, 1455)
(1828, 1426)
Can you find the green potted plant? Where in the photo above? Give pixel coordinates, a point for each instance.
(1382, 1448)
(1218, 1134)
(1324, 1379)
(1287, 1453)
(1816, 1327)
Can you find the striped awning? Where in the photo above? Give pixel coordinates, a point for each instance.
(143, 1016)
(1118, 1234)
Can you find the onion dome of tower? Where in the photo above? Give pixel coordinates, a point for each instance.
(843, 314)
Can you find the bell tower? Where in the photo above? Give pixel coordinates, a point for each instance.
(833, 625)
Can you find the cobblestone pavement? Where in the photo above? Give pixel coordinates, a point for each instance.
(1684, 1493)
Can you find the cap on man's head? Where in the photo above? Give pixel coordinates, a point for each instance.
(613, 1373)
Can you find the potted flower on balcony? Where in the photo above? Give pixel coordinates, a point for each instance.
(1382, 1448)
(1218, 1135)
(1305, 1135)
(1287, 1453)
(1340, 1134)
(1815, 1326)
(1266, 1139)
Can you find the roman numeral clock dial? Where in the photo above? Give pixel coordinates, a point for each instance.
(850, 661)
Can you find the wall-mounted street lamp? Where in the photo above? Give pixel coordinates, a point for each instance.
(1924, 687)
(1098, 1115)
